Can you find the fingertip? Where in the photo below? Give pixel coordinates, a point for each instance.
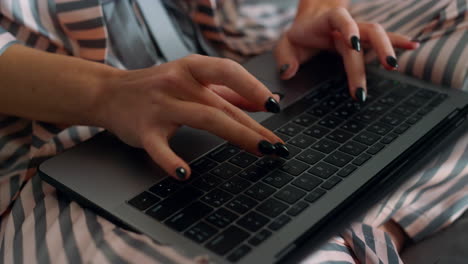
(289, 70)
(182, 172)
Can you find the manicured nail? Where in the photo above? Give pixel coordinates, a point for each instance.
(271, 105)
(283, 69)
(356, 43)
(281, 150)
(392, 61)
(281, 95)
(361, 95)
(181, 173)
(266, 148)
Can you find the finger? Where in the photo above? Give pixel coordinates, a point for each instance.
(341, 20)
(355, 69)
(210, 70)
(381, 42)
(220, 124)
(286, 58)
(159, 150)
(402, 42)
(237, 100)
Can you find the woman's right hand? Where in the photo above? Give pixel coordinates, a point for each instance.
(145, 107)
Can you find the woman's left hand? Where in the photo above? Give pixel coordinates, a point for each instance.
(335, 30)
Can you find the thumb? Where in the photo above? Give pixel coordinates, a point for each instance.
(286, 58)
(159, 150)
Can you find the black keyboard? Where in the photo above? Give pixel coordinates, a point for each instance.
(234, 201)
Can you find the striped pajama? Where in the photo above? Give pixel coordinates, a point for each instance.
(39, 225)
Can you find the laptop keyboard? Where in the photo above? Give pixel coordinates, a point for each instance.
(234, 201)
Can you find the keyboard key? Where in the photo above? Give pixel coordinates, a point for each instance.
(315, 195)
(367, 138)
(235, 185)
(339, 136)
(353, 148)
(378, 108)
(379, 128)
(426, 94)
(165, 187)
(416, 101)
(227, 240)
(330, 183)
(392, 120)
(293, 151)
(307, 182)
(331, 122)
(294, 167)
(325, 146)
(290, 129)
(279, 222)
(317, 131)
(390, 99)
(200, 232)
(310, 156)
(225, 171)
(401, 129)
(376, 148)
(353, 127)
(272, 207)
(323, 170)
(241, 204)
(302, 141)
(338, 159)
(216, 198)
(278, 179)
(239, 253)
(261, 236)
(189, 215)
(260, 191)
(318, 111)
(366, 116)
(270, 163)
(347, 170)
(413, 120)
(283, 137)
(404, 110)
(361, 159)
(174, 203)
(254, 173)
(298, 208)
(144, 200)
(344, 112)
(389, 138)
(207, 182)
(253, 221)
(203, 165)
(305, 120)
(290, 194)
(221, 218)
(424, 111)
(224, 153)
(243, 159)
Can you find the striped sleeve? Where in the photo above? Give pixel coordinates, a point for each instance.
(6, 40)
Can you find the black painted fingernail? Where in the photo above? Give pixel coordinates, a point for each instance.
(283, 69)
(181, 173)
(271, 105)
(356, 43)
(281, 150)
(392, 61)
(281, 95)
(361, 95)
(266, 148)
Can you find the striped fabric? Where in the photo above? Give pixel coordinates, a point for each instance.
(39, 225)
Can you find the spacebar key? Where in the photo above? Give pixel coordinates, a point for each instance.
(227, 240)
(174, 203)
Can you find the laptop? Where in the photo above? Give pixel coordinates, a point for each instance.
(239, 208)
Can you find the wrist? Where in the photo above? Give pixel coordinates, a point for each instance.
(316, 7)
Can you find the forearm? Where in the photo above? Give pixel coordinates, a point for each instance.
(50, 87)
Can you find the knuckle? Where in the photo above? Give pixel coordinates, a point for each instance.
(375, 27)
(207, 116)
(171, 78)
(339, 11)
(228, 66)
